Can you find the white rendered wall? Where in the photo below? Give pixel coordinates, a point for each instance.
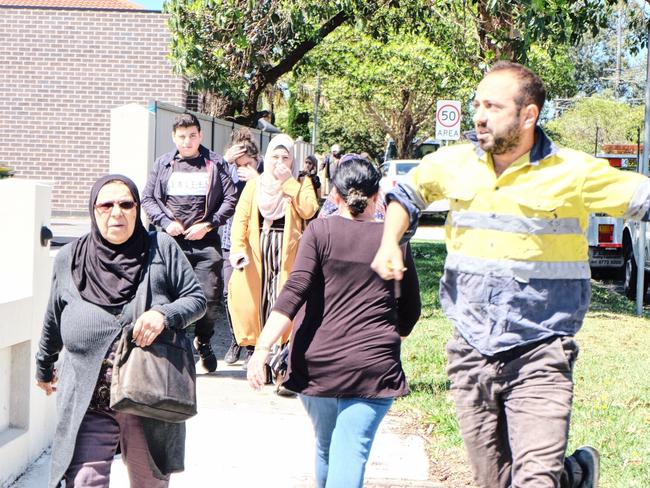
(131, 147)
(27, 415)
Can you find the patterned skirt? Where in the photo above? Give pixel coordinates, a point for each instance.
(271, 247)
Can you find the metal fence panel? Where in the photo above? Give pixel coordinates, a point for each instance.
(216, 132)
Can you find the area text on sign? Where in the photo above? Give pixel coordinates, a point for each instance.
(448, 120)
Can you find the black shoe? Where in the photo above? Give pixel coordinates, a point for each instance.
(208, 359)
(247, 355)
(589, 460)
(284, 392)
(232, 356)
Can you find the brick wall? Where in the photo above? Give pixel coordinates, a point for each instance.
(61, 73)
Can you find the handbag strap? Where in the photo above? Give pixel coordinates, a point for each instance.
(142, 298)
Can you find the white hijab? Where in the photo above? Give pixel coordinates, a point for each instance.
(270, 199)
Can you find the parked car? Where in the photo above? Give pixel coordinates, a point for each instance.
(422, 149)
(395, 171)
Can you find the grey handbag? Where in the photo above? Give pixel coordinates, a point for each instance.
(157, 381)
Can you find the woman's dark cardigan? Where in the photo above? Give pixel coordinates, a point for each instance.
(85, 332)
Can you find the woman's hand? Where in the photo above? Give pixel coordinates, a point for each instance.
(234, 153)
(255, 370)
(246, 173)
(48, 386)
(148, 326)
(281, 173)
(238, 260)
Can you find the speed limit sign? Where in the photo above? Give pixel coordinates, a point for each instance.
(448, 120)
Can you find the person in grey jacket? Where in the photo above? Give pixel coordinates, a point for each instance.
(189, 194)
(97, 282)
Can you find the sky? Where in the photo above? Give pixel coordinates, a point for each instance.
(149, 4)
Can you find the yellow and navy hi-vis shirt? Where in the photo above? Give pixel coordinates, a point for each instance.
(517, 269)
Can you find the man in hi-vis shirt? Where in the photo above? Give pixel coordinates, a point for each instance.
(189, 194)
(516, 283)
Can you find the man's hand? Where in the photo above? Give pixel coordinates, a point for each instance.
(175, 229)
(281, 173)
(48, 386)
(197, 231)
(148, 326)
(389, 262)
(246, 173)
(234, 153)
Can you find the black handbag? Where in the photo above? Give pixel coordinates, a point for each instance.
(157, 381)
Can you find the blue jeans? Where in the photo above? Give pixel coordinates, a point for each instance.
(345, 429)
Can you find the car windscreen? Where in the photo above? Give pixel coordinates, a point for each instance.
(403, 168)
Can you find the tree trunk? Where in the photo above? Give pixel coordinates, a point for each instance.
(407, 128)
(217, 105)
(248, 114)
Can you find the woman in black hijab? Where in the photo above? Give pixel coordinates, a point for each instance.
(97, 282)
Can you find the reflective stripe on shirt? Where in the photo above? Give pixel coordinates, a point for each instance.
(512, 223)
(520, 270)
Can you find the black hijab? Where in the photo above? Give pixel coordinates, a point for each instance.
(104, 273)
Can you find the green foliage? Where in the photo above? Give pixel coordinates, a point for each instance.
(557, 71)
(297, 119)
(595, 56)
(235, 48)
(343, 123)
(507, 29)
(616, 122)
(391, 84)
(6, 172)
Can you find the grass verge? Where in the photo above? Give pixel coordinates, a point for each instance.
(612, 386)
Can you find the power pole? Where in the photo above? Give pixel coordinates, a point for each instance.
(643, 169)
(314, 137)
(619, 35)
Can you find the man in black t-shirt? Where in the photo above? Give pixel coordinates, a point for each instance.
(189, 194)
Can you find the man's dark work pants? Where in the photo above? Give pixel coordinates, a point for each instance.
(514, 410)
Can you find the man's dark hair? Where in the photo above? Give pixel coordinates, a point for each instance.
(186, 120)
(531, 87)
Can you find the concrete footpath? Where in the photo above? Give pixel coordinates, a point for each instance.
(257, 439)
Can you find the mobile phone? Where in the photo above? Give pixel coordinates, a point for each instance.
(241, 262)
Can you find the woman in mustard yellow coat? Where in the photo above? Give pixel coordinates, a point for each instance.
(266, 230)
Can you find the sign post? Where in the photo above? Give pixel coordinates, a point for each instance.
(448, 120)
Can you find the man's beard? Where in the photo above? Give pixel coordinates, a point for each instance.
(508, 140)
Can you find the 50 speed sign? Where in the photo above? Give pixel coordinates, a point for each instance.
(448, 120)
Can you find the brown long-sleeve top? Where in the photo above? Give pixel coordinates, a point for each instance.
(347, 342)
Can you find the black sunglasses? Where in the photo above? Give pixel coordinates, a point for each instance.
(106, 207)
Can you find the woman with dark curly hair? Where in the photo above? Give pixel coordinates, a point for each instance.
(345, 351)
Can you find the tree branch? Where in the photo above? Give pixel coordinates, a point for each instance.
(291, 59)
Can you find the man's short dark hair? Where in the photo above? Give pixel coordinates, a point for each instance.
(186, 120)
(531, 87)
